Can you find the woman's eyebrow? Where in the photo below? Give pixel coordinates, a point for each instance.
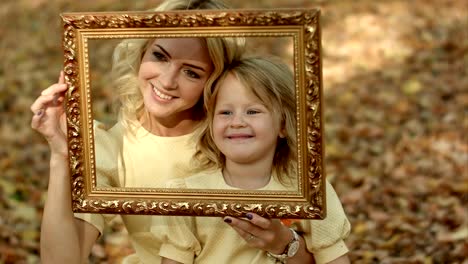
(195, 66)
(186, 64)
(163, 51)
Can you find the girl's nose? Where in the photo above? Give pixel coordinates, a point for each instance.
(168, 77)
(237, 120)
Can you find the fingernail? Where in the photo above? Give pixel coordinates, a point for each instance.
(40, 112)
(249, 216)
(228, 220)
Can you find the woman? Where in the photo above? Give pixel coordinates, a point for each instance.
(160, 85)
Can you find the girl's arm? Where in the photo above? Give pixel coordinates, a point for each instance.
(64, 239)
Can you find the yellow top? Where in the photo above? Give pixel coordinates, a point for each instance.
(210, 240)
(139, 159)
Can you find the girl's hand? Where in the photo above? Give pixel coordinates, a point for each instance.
(262, 233)
(49, 116)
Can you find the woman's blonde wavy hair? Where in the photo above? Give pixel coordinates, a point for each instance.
(272, 81)
(128, 54)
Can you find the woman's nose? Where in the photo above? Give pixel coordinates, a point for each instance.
(168, 78)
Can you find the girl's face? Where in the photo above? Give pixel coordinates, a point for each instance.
(244, 129)
(172, 75)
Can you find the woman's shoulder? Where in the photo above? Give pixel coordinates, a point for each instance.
(107, 138)
(107, 146)
(107, 129)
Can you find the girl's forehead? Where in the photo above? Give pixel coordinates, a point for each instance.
(234, 89)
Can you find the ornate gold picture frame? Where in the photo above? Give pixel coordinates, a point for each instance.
(300, 26)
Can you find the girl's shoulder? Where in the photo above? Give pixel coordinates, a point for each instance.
(208, 179)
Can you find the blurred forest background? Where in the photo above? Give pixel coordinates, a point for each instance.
(395, 110)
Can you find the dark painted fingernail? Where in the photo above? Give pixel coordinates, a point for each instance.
(228, 220)
(249, 216)
(40, 112)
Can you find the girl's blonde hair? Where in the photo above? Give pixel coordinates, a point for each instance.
(128, 54)
(271, 81)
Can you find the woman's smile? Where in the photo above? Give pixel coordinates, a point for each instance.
(172, 79)
(161, 94)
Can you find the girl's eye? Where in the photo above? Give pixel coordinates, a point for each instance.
(159, 56)
(225, 112)
(252, 112)
(192, 74)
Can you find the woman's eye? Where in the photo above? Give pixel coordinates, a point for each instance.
(159, 56)
(192, 74)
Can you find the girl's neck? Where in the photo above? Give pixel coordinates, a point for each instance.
(168, 128)
(246, 176)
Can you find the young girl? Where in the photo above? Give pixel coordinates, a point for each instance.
(160, 83)
(248, 143)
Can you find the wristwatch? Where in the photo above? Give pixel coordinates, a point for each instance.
(290, 250)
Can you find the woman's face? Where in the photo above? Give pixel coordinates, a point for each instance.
(172, 75)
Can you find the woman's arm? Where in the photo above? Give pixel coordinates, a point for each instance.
(302, 255)
(64, 239)
(269, 235)
(341, 260)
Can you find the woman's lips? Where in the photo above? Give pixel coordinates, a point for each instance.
(161, 94)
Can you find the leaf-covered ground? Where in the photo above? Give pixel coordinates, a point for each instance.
(395, 110)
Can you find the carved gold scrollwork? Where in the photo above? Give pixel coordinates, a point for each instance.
(313, 101)
(123, 25)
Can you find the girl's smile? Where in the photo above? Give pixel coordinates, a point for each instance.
(239, 136)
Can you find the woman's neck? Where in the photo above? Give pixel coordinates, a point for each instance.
(247, 176)
(168, 128)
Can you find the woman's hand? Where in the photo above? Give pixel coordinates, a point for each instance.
(269, 235)
(49, 116)
(262, 233)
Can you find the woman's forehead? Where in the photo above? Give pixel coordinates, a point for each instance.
(186, 48)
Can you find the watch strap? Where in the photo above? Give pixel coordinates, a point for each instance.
(281, 258)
